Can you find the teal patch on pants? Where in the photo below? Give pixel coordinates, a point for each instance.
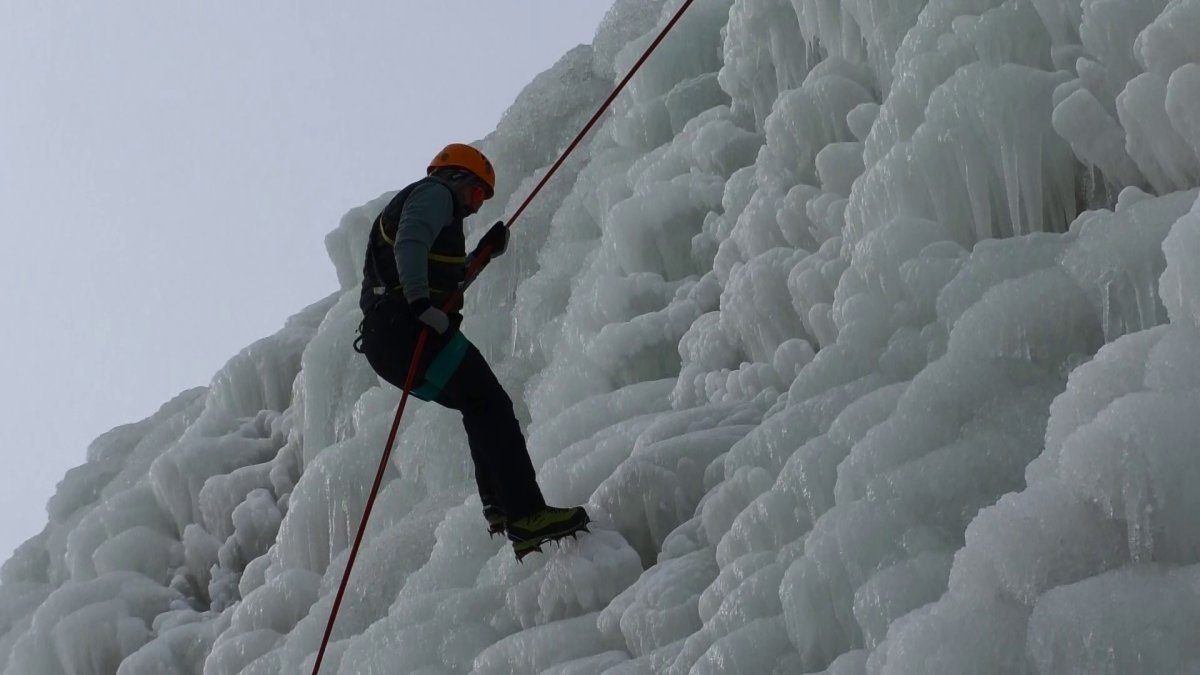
(442, 368)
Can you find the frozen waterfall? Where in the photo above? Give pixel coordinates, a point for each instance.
(868, 331)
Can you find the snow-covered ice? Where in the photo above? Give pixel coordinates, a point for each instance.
(868, 331)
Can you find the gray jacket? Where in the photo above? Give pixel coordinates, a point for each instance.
(428, 209)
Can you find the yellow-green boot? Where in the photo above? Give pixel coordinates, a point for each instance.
(546, 524)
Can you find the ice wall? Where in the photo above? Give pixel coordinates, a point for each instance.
(867, 331)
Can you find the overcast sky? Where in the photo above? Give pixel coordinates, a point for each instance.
(168, 171)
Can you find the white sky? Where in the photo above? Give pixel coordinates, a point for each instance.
(168, 171)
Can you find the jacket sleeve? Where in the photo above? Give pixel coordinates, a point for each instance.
(427, 210)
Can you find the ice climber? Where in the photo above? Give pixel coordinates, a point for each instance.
(416, 258)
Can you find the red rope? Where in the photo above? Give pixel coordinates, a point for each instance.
(362, 527)
(473, 270)
(603, 107)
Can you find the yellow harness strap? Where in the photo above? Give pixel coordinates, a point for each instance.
(449, 259)
(383, 233)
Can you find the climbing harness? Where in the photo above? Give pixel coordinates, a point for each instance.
(473, 270)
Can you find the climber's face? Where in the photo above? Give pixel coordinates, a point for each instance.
(471, 194)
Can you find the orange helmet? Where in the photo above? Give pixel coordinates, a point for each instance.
(460, 156)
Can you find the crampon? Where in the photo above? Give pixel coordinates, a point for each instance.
(495, 520)
(524, 548)
(549, 525)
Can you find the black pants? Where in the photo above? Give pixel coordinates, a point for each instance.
(503, 471)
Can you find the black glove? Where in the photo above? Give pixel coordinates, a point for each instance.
(429, 315)
(497, 237)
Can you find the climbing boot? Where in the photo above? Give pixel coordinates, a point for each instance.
(495, 519)
(546, 524)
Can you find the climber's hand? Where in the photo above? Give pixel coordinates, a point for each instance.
(429, 315)
(496, 237)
